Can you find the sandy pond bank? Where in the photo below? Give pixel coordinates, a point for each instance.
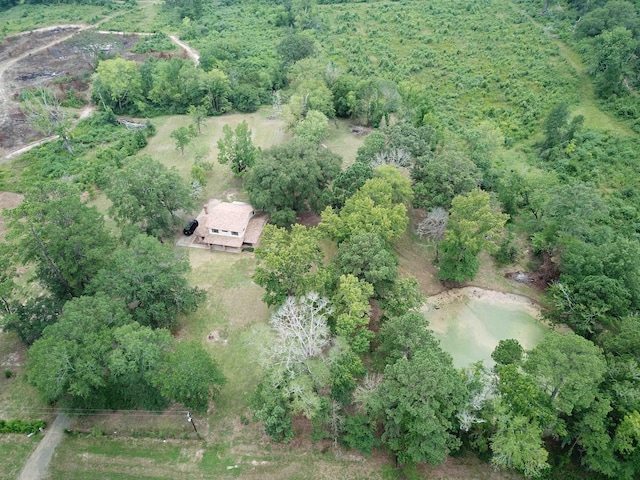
(470, 321)
(489, 296)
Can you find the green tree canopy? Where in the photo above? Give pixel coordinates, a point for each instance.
(518, 444)
(313, 128)
(65, 238)
(507, 352)
(149, 196)
(367, 257)
(217, 92)
(286, 260)
(351, 312)
(417, 402)
(439, 178)
(188, 375)
(404, 336)
(473, 226)
(117, 84)
(71, 357)
(236, 149)
(568, 368)
(290, 178)
(369, 210)
(612, 60)
(349, 182)
(182, 136)
(150, 278)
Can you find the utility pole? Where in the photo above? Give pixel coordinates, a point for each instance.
(190, 419)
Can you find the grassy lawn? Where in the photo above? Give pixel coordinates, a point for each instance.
(82, 457)
(14, 451)
(17, 398)
(222, 184)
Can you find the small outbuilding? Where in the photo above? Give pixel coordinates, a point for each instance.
(229, 227)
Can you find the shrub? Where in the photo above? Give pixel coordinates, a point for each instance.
(21, 426)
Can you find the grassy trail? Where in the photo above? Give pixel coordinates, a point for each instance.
(594, 117)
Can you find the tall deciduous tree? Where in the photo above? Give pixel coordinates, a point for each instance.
(568, 368)
(439, 178)
(404, 336)
(370, 210)
(473, 226)
(236, 149)
(611, 60)
(198, 115)
(285, 262)
(149, 277)
(65, 238)
(351, 307)
(518, 444)
(417, 402)
(188, 375)
(368, 257)
(217, 92)
(295, 47)
(149, 196)
(117, 84)
(290, 178)
(348, 182)
(313, 128)
(71, 357)
(182, 136)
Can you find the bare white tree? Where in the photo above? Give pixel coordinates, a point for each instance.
(331, 73)
(364, 392)
(43, 112)
(434, 224)
(277, 103)
(481, 394)
(301, 329)
(394, 156)
(336, 421)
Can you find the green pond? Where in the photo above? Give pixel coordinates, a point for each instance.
(470, 328)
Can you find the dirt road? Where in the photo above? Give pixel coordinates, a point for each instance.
(38, 463)
(193, 54)
(73, 29)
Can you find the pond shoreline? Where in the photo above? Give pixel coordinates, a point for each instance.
(478, 293)
(497, 297)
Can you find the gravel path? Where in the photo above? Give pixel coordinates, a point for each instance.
(38, 462)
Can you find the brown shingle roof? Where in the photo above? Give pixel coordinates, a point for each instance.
(232, 217)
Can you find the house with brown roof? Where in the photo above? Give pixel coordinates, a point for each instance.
(229, 226)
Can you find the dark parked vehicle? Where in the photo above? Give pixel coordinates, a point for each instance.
(191, 227)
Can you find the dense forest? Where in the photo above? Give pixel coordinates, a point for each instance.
(508, 127)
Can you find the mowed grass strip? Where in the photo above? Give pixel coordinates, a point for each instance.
(227, 324)
(83, 456)
(14, 451)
